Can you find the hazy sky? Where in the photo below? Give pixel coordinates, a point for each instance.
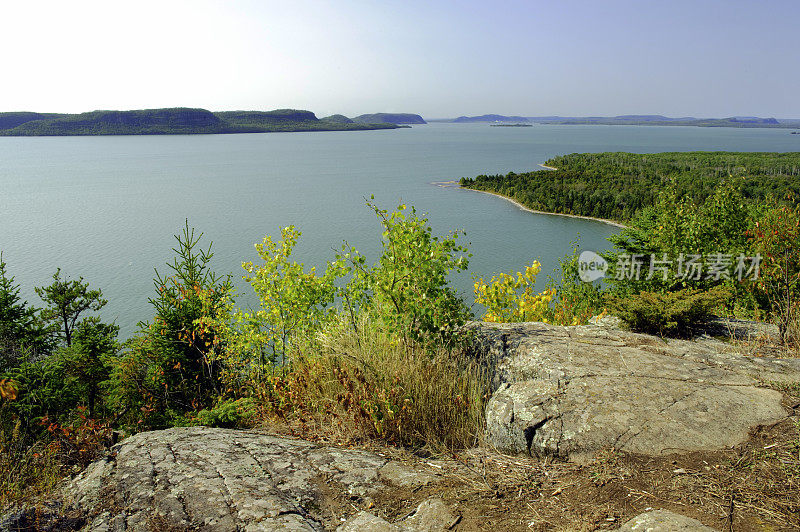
(436, 58)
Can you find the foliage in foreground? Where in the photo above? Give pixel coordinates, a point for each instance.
(776, 237)
(169, 367)
(566, 300)
(374, 347)
(405, 293)
(233, 413)
(752, 250)
(27, 469)
(715, 204)
(407, 289)
(673, 267)
(22, 334)
(679, 313)
(575, 301)
(510, 299)
(53, 362)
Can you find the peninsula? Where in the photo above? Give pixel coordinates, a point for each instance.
(615, 186)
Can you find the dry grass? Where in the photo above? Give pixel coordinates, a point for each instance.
(793, 333)
(365, 385)
(758, 339)
(25, 470)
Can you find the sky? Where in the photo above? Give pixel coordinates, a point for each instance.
(701, 58)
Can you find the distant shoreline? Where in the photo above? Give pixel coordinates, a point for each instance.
(454, 184)
(534, 211)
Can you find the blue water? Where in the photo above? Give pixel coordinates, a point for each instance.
(106, 208)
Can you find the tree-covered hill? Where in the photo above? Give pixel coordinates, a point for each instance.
(341, 119)
(392, 118)
(278, 116)
(616, 186)
(11, 120)
(178, 120)
(139, 122)
(292, 120)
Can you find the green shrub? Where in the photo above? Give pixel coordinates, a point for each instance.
(295, 303)
(566, 300)
(512, 299)
(776, 237)
(22, 334)
(575, 301)
(169, 368)
(405, 293)
(679, 313)
(407, 288)
(229, 414)
(676, 226)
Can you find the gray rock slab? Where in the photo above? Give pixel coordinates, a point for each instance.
(572, 391)
(431, 515)
(215, 479)
(405, 477)
(363, 521)
(663, 521)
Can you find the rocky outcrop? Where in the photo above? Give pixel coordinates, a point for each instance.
(200, 478)
(572, 391)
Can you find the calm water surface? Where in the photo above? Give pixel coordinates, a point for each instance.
(106, 208)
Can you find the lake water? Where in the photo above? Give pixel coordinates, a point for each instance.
(106, 208)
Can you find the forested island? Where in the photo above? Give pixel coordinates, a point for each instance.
(176, 121)
(616, 186)
(489, 118)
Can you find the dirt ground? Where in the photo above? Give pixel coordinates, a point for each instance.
(753, 487)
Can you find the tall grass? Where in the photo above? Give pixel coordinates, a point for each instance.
(25, 470)
(364, 383)
(792, 340)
